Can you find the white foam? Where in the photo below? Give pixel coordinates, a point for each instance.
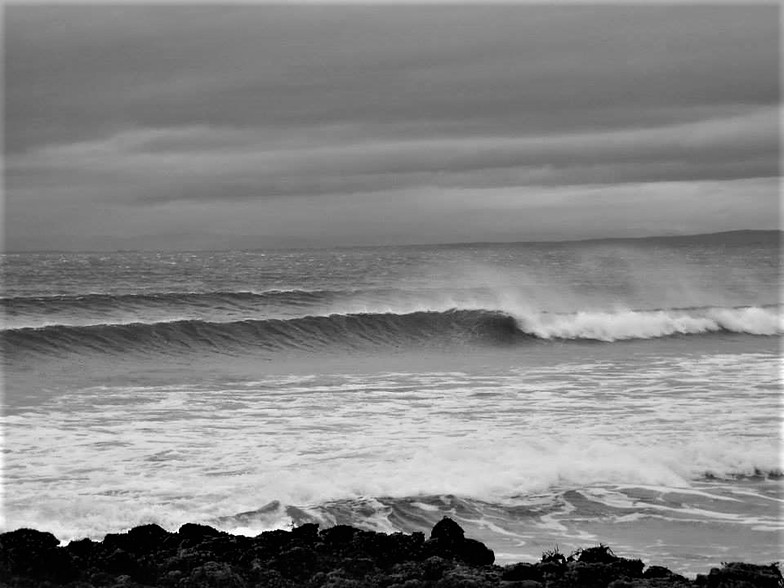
(106, 458)
(633, 324)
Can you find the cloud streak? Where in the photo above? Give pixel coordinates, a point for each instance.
(240, 164)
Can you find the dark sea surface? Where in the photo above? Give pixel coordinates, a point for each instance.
(541, 394)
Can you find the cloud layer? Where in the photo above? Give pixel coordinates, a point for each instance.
(308, 125)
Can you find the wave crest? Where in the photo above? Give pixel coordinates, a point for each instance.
(635, 324)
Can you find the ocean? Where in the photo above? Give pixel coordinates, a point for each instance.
(544, 395)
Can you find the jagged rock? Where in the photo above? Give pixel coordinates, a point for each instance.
(448, 540)
(448, 531)
(467, 577)
(657, 572)
(143, 539)
(338, 534)
(674, 581)
(359, 567)
(599, 554)
(743, 575)
(433, 568)
(337, 557)
(338, 579)
(261, 576)
(408, 584)
(27, 552)
(198, 532)
(81, 550)
(307, 533)
(121, 562)
(213, 575)
(476, 553)
(296, 563)
(523, 571)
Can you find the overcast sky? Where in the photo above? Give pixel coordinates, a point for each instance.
(218, 126)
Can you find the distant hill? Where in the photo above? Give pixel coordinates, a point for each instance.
(745, 237)
(742, 237)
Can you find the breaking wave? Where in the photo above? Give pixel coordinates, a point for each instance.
(392, 329)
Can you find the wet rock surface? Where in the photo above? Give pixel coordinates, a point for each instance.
(336, 557)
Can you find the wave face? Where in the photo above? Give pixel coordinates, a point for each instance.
(362, 330)
(310, 332)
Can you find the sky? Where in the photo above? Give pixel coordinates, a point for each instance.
(218, 126)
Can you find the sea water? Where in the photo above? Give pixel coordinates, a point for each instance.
(543, 395)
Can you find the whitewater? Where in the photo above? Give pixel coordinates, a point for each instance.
(563, 394)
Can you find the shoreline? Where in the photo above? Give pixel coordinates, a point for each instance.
(334, 557)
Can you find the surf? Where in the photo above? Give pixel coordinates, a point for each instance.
(363, 330)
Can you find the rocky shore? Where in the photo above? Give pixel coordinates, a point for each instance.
(336, 557)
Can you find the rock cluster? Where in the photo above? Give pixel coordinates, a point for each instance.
(336, 557)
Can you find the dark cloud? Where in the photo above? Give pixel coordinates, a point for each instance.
(128, 107)
(226, 164)
(75, 72)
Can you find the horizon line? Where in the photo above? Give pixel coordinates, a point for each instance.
(398, 245)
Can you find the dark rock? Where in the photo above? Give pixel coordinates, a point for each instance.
(412, 583)
(399, 547)
(273, 542)
(588, 575)
(337, 557)
(338, 534)
(296, 563)
(148, 535)
(433, 568)
(123, 581)
(553, 568)
(27, 552)
(674, 581)
(554, 557)
(631, 568)
(142, 539)
(307, 533)
(82, 549)
(102, 578)
(337, 579)
(261, 576)
(467, 577)
(173, 577)
(599, 554)
(627, 583)
(121, 562)
(28, 541)
(198, 532)
(402, 572)
(475, 553)
(657, 572)
(213, 575)
(359, 567)
(666, 575)
(523, 571)
(226, 547)
(448, 540)
(448, 531)
(743, 575)
(185, 561)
